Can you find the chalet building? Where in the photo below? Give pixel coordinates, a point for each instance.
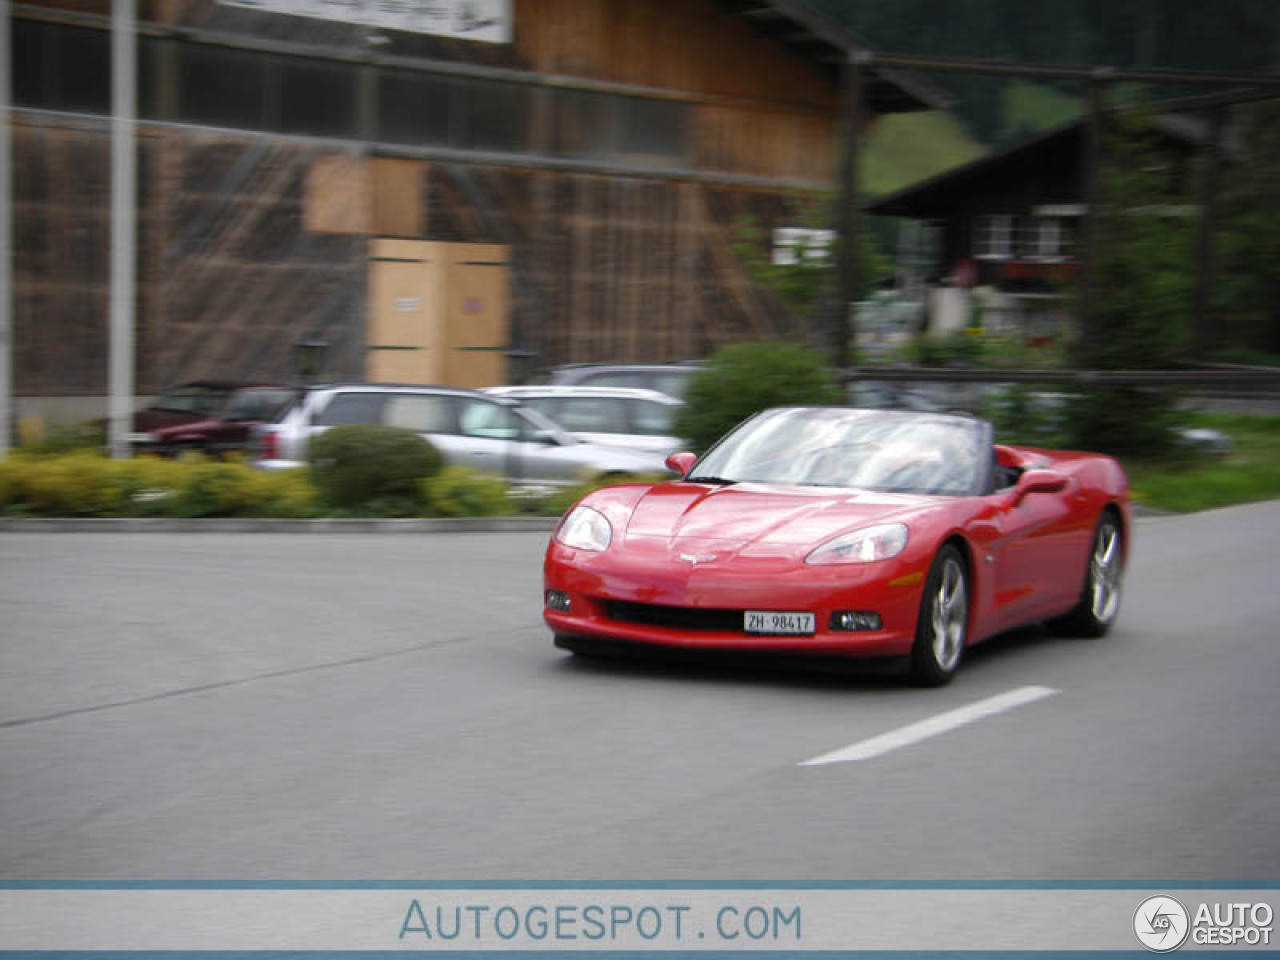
(450, 191)
(1004, 228)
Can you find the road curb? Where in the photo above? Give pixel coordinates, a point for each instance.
(321, 525)
(245, 525)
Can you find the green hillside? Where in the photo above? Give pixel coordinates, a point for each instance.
(905, 148)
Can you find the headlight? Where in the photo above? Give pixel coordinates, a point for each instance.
(584, 529)
(862, 546)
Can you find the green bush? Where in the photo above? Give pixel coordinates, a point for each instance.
(745, 378)
(77, 484)
(355, 464)
(1019, 417)
(461, 492)
(87, 484)
(963, 347)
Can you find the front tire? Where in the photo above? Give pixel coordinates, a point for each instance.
(943, 626)
(1100, 600)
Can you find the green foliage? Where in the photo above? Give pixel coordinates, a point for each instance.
(352, 465)
(1019, 416)
(745, 378)
(962, 348)
(1183, 481)
(1124, 421)
(1233, 35)
(800, 285)
(1141, 313)
(1248, 287)
(87, 484)
(460, 492)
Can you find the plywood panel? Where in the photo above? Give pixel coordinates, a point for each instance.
(478, 308)
(338, 196)
(400, 366)
(397, 197)
(403, 326)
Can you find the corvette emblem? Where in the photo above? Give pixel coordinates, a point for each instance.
(695, 559)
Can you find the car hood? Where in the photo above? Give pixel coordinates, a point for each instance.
(746, 515)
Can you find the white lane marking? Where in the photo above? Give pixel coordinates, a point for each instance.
(924, 729)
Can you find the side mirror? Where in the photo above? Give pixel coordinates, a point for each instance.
(681, 463)
(1040, 481)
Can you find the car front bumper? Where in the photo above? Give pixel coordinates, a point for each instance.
(703, 608)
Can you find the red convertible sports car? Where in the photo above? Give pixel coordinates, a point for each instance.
(839, 532)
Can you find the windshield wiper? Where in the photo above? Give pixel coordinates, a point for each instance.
(720, 480)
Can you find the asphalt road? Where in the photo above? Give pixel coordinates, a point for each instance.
(364, 707)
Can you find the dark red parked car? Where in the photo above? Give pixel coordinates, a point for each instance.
(209, 417)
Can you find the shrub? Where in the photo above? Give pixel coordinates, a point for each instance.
(354, 464)
(1018, 415)
(461, 492)
(745, 378)
(76, 484)
(84, 484)
(961, 348)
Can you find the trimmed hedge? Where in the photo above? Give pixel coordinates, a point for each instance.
(356, 465)
(87, 484)
(461, 492)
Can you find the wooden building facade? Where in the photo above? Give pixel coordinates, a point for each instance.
(609, 148)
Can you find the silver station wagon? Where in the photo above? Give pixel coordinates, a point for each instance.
(489, 433)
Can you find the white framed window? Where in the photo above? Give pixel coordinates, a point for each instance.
(792, 245)
(993, 236)
(1047, 238)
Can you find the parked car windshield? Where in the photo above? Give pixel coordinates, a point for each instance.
(888, 451)
(203, 400)
(262, 403)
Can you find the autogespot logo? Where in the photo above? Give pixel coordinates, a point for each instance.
(1161, 924)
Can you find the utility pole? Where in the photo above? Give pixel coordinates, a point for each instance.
(842, 322)
(6, 235)
(124, 186)
(1202, 337)
(1091, 190)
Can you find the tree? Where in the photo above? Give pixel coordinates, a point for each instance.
(1141, 308)
(1248, 289)
(803, 283)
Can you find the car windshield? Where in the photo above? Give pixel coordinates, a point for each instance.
(203, 400)
(262, 403)
(865, 449)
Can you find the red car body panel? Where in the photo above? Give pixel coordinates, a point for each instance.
(702, 547)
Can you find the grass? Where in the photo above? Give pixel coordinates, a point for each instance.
(1186, 483)
(903, 149)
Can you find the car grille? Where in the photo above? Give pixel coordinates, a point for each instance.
(681, 618)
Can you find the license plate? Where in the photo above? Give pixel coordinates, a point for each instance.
(769, 621)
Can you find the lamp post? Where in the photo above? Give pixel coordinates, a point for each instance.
(309, 357)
